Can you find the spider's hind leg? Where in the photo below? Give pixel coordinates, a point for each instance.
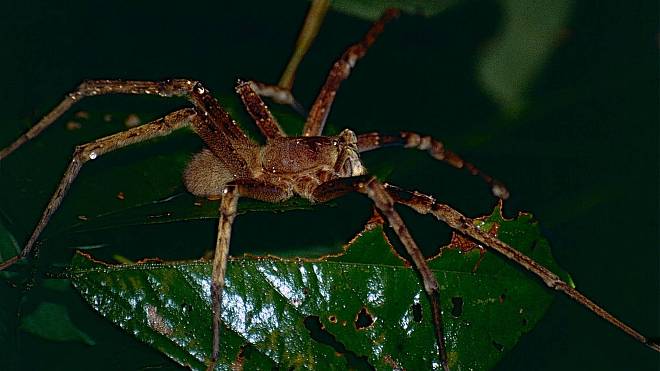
(92, 150)
(199, 96)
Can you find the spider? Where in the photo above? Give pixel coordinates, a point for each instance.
(311, 166)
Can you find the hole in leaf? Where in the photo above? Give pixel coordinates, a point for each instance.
(363, 319)
(502, 297)
(332, 319)
(417, 312)
(457, 306)
(186, 308)
(498, 346)
(320, 334)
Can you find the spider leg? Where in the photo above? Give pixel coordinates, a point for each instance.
(425, 204)
(92, 150)
(280, 95)
(385, 204)
(340, 72)
(435, 148)
(228, 206)
(267, 124)
(192, 90)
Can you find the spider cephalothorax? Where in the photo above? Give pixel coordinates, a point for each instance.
(297, 165)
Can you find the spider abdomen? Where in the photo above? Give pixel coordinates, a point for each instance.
(206, 175)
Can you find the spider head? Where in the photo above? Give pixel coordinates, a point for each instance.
(348, 161)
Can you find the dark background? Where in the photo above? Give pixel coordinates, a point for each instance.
(582, 156)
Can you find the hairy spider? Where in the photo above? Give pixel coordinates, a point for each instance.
(311, 166)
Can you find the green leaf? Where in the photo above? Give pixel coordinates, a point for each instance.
(510, 65)
(364, 306)
(51, 321)
(373, 9)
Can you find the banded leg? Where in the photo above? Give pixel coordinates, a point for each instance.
(228, 206)
(435, 148)
(90, 151)
(340, 72)
(425, 204)
(192, 90)
(385, 204)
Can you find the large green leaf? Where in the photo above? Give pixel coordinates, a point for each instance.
(364, 306)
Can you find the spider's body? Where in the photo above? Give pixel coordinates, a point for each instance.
(315, 167)
(296, 165)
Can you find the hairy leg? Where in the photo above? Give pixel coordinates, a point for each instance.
(340, 72)
(228, 206)
(385, 204)
(267, 124)
(435, 148)
(97, 148)
(425, 204)
(192, 90)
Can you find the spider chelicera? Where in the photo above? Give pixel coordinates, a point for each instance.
(318, 168)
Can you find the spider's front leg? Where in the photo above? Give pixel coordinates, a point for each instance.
(425, 204)
(228, 206)
(385, 204)
(435, 148)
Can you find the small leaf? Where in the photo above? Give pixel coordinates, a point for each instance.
(366, 302)
(51, 321)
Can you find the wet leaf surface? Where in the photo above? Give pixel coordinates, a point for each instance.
(362, 301)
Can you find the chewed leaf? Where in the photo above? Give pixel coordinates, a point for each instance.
(364, 307)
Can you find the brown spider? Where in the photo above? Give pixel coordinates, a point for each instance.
(315, 167)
